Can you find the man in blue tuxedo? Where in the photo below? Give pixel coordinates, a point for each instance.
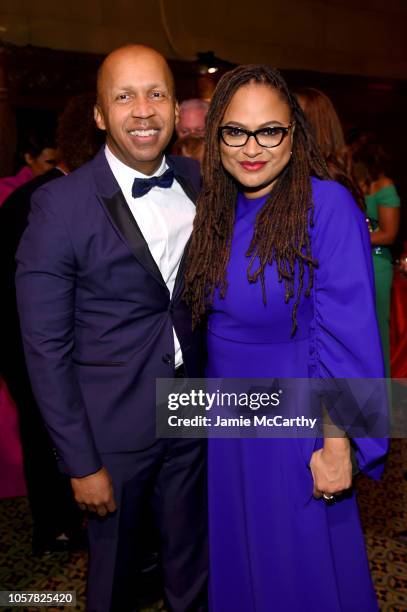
(99, 288)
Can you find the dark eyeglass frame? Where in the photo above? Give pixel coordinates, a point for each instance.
(282, 129)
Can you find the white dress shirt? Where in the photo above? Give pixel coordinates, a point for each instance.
(165, 218)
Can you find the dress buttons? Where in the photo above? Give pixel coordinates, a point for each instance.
(167, 358)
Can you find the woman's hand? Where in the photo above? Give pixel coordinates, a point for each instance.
(331, 467)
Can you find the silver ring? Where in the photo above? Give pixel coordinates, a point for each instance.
(328, 497)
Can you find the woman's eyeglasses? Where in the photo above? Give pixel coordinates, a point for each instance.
(265, 137)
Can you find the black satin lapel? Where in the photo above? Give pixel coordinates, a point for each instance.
(187, 186)
(179, 280)
(126, 224)
(191, 192)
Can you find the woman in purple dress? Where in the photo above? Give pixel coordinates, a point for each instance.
(280, 259)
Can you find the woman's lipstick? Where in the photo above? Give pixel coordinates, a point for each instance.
(252, 166)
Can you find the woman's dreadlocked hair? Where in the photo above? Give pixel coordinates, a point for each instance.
(281, 232)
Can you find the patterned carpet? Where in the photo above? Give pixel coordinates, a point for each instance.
(383, 510)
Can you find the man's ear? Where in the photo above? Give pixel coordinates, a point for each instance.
(98, 116)
(28, 159)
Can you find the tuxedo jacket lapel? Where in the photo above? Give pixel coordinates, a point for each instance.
(117, 209)
(187, 186)
(127, 226)
(192, 193)
(114, 202)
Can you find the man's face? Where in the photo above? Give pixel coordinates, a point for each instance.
(191, 122)
(136, 106)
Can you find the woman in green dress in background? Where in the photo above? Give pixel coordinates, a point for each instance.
(383, 213)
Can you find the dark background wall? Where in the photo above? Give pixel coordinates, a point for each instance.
(354, 50)
(364, 37)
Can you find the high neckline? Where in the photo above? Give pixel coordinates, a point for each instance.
(248, 207)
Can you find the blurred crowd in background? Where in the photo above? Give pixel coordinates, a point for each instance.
(356, 159)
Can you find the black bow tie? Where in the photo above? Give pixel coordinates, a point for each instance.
(143, 186)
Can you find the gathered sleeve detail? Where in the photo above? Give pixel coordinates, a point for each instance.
(345, 341)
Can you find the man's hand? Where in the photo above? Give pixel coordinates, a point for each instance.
(95, 492)
(331, 467)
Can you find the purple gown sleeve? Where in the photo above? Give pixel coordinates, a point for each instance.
(346, 336)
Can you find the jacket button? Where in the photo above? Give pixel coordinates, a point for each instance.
(167, 358)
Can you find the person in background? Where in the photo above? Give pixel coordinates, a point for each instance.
(39, 154)
(190, 146)
(57, 520)
(192, 115)
(398, 317)
(383, 212)
(328, 132)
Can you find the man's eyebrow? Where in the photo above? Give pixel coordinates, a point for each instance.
(147, 87)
